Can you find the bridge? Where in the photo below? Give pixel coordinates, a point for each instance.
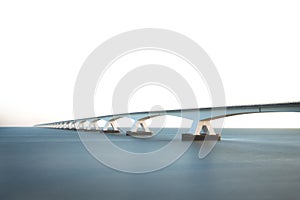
(201, 127)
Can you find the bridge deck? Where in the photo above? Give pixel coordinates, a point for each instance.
(193, 113)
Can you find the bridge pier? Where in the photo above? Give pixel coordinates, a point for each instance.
(66, 125)
(71, 125)
(94, 125)
(134, 130)
(61, 125)
(203, 130)
(80, 125)
(111, 123)
(86, 126)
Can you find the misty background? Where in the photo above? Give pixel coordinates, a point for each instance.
(254, 45)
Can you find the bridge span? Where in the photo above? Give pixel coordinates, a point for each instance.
(201, 126)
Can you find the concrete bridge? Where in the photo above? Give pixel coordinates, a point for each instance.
(201, 126)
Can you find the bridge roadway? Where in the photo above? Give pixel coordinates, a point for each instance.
(201, 117)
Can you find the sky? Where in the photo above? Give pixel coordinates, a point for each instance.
(254, 45)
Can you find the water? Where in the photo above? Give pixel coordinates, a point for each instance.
(37, 163)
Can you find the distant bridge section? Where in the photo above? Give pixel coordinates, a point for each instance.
(201, 126)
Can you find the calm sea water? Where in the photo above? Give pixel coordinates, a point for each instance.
(37, 163)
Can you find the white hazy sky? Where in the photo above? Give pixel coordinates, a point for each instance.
(255, 46)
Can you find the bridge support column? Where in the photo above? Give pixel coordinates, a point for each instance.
(79, 125)
(134, 130)
(94, 125)
(71, 126)
(74, 125)
(66, 125)
(113, 124)
(87, 126)
(201, 130)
